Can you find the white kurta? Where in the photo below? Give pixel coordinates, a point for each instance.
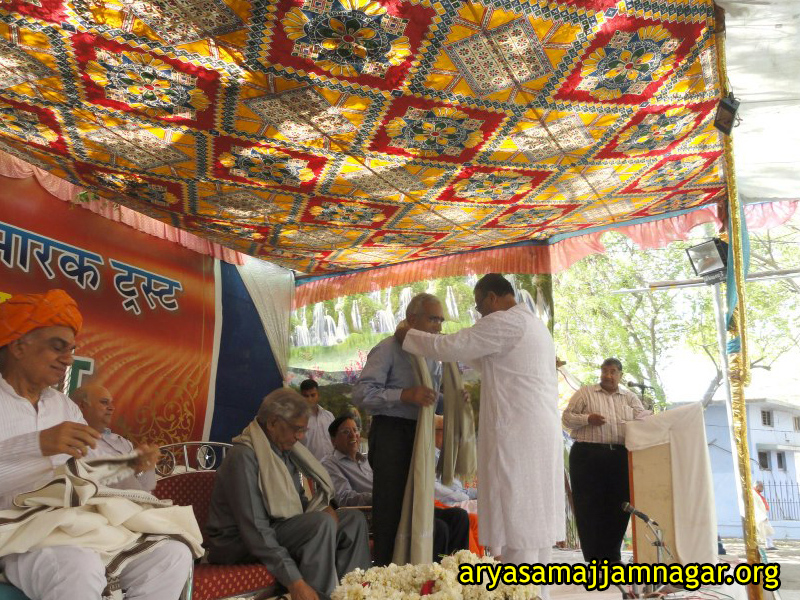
(520, 444)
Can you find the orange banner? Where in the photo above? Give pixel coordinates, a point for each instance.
(148, 307)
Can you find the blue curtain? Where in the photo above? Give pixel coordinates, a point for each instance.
(246, 369)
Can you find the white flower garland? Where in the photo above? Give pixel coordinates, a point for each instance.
(431, 581)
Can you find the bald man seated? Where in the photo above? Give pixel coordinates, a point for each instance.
(97, 406)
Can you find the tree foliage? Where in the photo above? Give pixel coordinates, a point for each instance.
(595, 320)
(773, 305)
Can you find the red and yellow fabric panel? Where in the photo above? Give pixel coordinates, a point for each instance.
(329, 135)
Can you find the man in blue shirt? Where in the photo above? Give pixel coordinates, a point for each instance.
(349, 469)
(388, 391)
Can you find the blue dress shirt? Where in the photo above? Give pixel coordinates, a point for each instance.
(388, 371)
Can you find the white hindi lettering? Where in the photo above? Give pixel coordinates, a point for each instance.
(81, 266)
(74, 263)
(155, 288)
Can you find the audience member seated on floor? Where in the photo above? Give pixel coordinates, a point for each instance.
(260, 512)
(97, 407)
(349, 470)
(40, 429)
(454, 494)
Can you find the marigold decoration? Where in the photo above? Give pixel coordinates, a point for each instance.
(330, 135)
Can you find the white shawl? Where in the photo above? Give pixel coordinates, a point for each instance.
(280, 495)
(76, 509)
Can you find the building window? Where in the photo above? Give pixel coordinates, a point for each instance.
(797, 423)
(763, 461)
(781, 456)
(766, 418)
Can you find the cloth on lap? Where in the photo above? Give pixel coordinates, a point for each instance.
(76, 509)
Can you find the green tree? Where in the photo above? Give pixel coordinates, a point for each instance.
(773, 305)
(594, 320)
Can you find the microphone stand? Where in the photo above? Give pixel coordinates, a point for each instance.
(661, 548)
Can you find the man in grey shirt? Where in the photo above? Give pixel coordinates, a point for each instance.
(349, 469)
(309, 551)
(97, 407)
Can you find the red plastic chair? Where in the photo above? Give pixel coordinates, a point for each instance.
(211, 582)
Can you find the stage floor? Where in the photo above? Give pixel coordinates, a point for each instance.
(573, 592)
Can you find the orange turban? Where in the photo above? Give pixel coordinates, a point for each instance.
(25, 312)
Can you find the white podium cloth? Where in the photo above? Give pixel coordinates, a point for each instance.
(692, 485)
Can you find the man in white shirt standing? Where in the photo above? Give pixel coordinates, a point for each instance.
(317, 439)
(598, 461)
(40, 429)
(97, 407)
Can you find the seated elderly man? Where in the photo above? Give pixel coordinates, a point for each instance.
(260, 511)
(40, 429)
(97, 407)
(349, 469)
(352, 480)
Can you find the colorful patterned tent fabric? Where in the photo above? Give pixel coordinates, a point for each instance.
(330, 135)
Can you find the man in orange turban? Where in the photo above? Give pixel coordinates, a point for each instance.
(26, 312)
(40, 428)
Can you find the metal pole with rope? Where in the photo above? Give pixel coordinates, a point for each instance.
(739, 367)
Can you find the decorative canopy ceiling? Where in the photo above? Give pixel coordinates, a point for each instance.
(329, 135)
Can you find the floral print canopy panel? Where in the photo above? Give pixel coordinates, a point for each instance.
(331, 135)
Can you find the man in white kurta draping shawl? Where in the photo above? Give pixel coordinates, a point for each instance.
(520, 454)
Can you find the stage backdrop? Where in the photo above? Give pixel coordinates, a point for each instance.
(148, 307)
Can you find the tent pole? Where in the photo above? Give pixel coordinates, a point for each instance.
(739, 373)
(722, 339)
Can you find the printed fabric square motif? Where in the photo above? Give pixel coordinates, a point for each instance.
(349, 38)
(125, 78)
(630, 64)
(300, 114)
(266, 166)
(500, 58)
(414, 127)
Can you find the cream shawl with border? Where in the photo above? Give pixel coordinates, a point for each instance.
(280, 494)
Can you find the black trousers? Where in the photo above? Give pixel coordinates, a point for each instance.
(599, 477)
(450, 531)
(391, 442)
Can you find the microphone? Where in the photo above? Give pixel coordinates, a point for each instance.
(626, 506)
(639, 385)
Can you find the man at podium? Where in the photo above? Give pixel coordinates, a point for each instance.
(598, 461)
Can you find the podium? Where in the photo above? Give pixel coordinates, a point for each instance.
(671, 482)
